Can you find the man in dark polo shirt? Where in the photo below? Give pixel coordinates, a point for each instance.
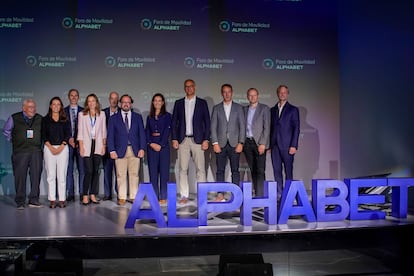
(23, 129)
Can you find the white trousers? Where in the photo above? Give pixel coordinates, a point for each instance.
(187, 149)
(56, 167)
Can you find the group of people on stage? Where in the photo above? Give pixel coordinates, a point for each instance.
(116, 136)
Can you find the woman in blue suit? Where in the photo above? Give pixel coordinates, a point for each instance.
(157, 130)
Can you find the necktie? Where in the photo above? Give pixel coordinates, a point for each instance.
(73, 121)
(126, 122)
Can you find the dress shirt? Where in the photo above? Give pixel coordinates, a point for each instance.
(189, 113)
(112, 112)
(93, 124)
(129, 117)
(9, 125)
(250, 114)
(73, 113)
(280, 107)
(227, 109)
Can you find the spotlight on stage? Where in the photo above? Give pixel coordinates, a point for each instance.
(243, 265)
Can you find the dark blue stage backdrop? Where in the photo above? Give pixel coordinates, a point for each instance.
(145, 47)
(376, 42)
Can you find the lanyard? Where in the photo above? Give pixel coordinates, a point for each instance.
(28, 122)
(93, 120)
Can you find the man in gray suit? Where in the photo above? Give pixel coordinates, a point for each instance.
(228, 132)
(257, 138)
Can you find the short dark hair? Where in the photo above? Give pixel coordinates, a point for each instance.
(227, 85)
(189, 80)
(73, 89)
(250, 89)
(126, 95)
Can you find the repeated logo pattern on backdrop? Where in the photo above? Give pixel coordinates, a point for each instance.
(146, 47)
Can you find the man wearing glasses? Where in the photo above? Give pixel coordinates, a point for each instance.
(23, 130)
(126, 144)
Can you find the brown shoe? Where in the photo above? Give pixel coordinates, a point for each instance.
(52, 204)
(183, 200)
(85, 200)
(162, 201)
(220, 198)
(121, 202)
(94, 200)
(62, 204)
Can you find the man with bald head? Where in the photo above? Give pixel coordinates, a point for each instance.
(23, 130)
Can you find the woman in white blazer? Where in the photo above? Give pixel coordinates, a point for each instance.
(92, 144)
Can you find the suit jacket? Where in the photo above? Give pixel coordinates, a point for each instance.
(201, 121)
(118, 136)
(284, 130)
(84, 133)
(162, 125)
(260, 124)
(68, 114)
(108, 113)
(233, 131)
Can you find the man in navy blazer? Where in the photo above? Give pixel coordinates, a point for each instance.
(126, 144)
(72, 111)
(108, 162)
(284, 136)
(190, 135)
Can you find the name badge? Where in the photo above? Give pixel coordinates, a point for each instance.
(29, 133)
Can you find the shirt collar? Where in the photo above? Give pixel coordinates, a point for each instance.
(190, 100)
(26, 117)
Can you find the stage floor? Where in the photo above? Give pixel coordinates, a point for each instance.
(96, 233)
(107, 219)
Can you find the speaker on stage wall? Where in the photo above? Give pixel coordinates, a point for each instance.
(243, 265)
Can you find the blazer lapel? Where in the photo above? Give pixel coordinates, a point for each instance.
(284, 109)
(222, 113)
(232, 112)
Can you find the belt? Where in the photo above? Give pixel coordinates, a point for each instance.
(249, 138)
(189, 136)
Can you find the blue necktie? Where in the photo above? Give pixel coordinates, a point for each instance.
(73, 121)
(126, 122)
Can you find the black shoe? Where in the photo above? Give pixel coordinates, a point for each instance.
(70, 198)
(35, 204)
(105, 198)
(20, 207)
